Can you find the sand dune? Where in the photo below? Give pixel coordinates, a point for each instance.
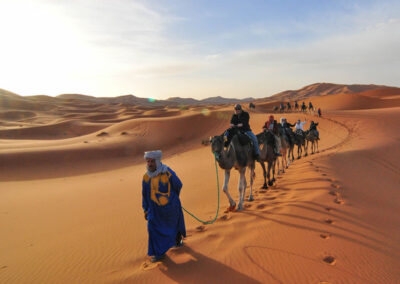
(70, 197)
(376, 98)
(323, 89)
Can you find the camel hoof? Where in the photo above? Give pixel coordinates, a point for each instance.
(271, 183)
(264, 186)
(251, 198)
(239, 208)
(232, 207)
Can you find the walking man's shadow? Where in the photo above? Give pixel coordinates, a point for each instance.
(201, 269)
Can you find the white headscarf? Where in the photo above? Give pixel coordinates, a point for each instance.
(160, 167)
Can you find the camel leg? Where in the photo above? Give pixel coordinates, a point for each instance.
(242, 188)
(271, 166)
(232, 203)
(284, 161)
(265, 175)
(292, 153)
(299, 152)
(277, 165)
(251, 182)
(305, 149)
(273, 171)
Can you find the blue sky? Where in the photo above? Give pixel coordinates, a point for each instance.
(195, 49)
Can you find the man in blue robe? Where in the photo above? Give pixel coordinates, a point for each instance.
(162, 207)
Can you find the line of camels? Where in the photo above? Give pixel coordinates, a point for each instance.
(282, 108)
(240, 157)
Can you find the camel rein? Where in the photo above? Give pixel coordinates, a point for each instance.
(216, 215)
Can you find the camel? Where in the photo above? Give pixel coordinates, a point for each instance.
(285, 148)
(300, 141)
(290, 136)
(312, 137)
(267, 155)
(238, 157)
(296, 107)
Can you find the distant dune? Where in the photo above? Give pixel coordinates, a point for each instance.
(322, 89)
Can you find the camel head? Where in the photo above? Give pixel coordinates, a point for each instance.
(264, 137)
(217, 144)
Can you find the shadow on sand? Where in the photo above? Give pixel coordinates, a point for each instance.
(201, 269)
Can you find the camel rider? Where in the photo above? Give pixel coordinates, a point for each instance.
(240, 119)
(310, 106)
(313, 126)
(272, 126)
(287, 130)
(296, 105)
(299, 127)
(303, 105)
(319, 112)
(285, 124)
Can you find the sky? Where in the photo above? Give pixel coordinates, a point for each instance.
(161, 49)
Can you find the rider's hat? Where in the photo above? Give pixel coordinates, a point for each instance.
(238, 107)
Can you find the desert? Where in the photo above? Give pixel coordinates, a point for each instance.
(71, 169)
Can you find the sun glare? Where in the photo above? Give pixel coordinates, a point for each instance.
(40, 50)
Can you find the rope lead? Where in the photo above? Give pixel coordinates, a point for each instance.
(216, 215)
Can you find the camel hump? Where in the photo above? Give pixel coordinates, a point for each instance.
(243, 138)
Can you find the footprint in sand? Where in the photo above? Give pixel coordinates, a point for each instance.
(334, 185)
(3, 267)
(324, 175)
(269, 198)
(200, 228)
(330, 260)
(148, 265)
(328, 209)
(261, 206)
(325, 236)
(225, 217)
(332, 192)
(329, 221)
(262, 191)
(339, 201)
(247, 206)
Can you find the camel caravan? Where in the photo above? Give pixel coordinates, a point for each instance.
(287, 108)
(238, 148)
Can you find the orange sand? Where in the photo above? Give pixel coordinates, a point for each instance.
(70, 196)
